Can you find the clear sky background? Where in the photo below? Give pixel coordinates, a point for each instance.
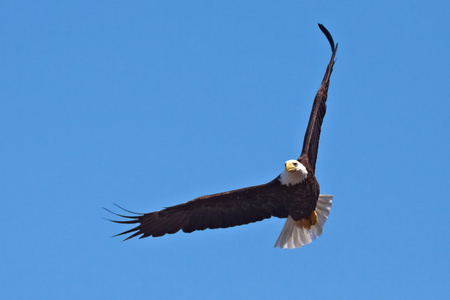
(152, 103)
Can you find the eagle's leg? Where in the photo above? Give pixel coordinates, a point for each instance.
(309, 221)
(313, 218)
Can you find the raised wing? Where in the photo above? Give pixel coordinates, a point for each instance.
(222, 210)
(312, 135)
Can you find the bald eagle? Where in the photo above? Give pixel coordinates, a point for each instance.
(294, 194)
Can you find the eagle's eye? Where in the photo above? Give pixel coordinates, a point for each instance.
(295, 164)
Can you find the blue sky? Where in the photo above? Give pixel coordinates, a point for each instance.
(152, 103)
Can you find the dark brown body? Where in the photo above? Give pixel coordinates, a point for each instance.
(303, 196)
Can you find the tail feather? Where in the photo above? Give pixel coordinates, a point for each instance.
(295, 236)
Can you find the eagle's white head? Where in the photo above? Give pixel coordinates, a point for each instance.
(293, 173)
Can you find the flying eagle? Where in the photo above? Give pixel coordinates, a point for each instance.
(294, 194)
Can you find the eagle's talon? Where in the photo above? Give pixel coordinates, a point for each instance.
(313, 218)
(308, 222)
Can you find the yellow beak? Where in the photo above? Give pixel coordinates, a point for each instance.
(290, 166)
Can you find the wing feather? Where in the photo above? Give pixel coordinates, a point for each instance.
(222, 210)
(312, 135)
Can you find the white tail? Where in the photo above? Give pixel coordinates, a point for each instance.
(294, 235)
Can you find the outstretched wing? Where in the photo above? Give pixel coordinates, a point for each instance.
(311, 140)
(222, 210)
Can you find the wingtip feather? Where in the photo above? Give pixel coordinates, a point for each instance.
(329, 37)
(134, 220)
